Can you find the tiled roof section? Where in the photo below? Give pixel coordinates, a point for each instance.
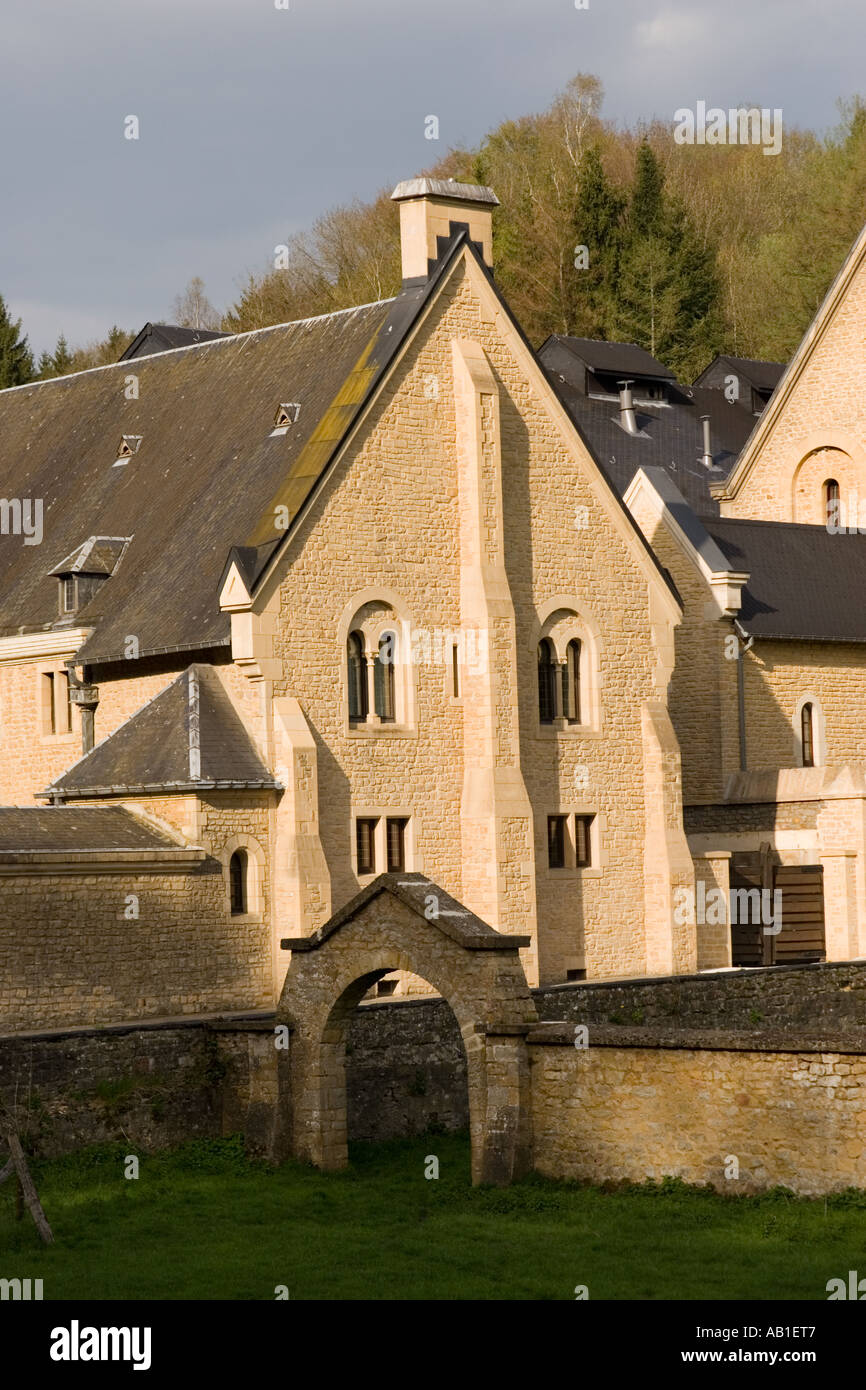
(98, 555)
(671, 434)
(188, 735)
(74, 828)
(625, 359)
(162, 337)
(208, 475)
(764, 376)
(804, 583)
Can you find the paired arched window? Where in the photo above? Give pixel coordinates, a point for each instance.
(546, 682)
(567, 680)
(377, 673)
(238, 882)
(832, 502)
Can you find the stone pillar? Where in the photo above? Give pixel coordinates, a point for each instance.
(301, 880)
(840, 903)
(506, 1149)
(713, 870)
(498, 852)
(671, 944)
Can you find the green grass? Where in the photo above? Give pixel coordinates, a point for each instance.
(206, 1222)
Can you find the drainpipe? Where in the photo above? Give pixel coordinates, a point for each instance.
(86, 697)
(741, 692)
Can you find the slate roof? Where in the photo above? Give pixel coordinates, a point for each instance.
(621, 359)
(764, 376)
(187, 736)
(804, 583)
(98, 555)
(671, 435)
(207, 472)
(65, 829)
(162, 337)
(453, 918)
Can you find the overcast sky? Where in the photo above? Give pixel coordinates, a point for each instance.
(254, 120)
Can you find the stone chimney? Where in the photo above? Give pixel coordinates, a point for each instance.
(434, 209)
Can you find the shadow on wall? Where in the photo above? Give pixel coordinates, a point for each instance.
(405, 1071)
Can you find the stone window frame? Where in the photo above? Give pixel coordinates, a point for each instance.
(46, 733)
(598, 840)
(256, 862)
(819, 731)
(562, 619)
(382, 814)
(386, 612)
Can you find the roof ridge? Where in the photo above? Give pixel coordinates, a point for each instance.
(197, 347)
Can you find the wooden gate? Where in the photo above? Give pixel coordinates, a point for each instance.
(801, 939)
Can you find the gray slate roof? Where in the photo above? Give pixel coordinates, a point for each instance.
(188, 735)
(75, 828)
(206, 475)
(452, 918)
(162, 337)
(764, 376)
(671, 436)
(619, 359)
(804, 584)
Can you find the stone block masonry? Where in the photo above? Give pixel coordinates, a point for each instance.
(768, 1067)
(741, 1114)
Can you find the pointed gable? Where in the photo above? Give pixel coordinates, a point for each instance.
(188, 736)
(814, 428)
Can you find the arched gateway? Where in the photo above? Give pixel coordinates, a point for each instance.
(405, 922)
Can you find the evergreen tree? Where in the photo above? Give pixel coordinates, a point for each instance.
(597, 226)
(16, 359)
(667, 290)
(62, 359)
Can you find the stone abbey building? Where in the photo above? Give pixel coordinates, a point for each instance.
(387, 592)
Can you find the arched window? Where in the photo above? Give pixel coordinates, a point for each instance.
(238, 882)
(357, 679)
(546, 682)
(832, 503)
(571, 682)
(384, 677)
(807, 736)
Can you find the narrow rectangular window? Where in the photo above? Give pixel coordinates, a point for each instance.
(556, 842)
(583, 841)
(63, 704)
(68, 594)
(396, 838)
(455, 671)
(365, 845)
(49, 717)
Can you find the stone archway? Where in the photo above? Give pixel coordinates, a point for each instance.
(405, 922)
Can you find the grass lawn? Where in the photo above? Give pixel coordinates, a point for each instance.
(205, 1222)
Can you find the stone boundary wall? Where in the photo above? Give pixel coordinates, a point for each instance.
(788, 1101)
(637, 1104)
(150, 1086)
(824, 995)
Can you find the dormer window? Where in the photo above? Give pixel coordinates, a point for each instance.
(287, 414)
(129, 445)
(82, 573)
